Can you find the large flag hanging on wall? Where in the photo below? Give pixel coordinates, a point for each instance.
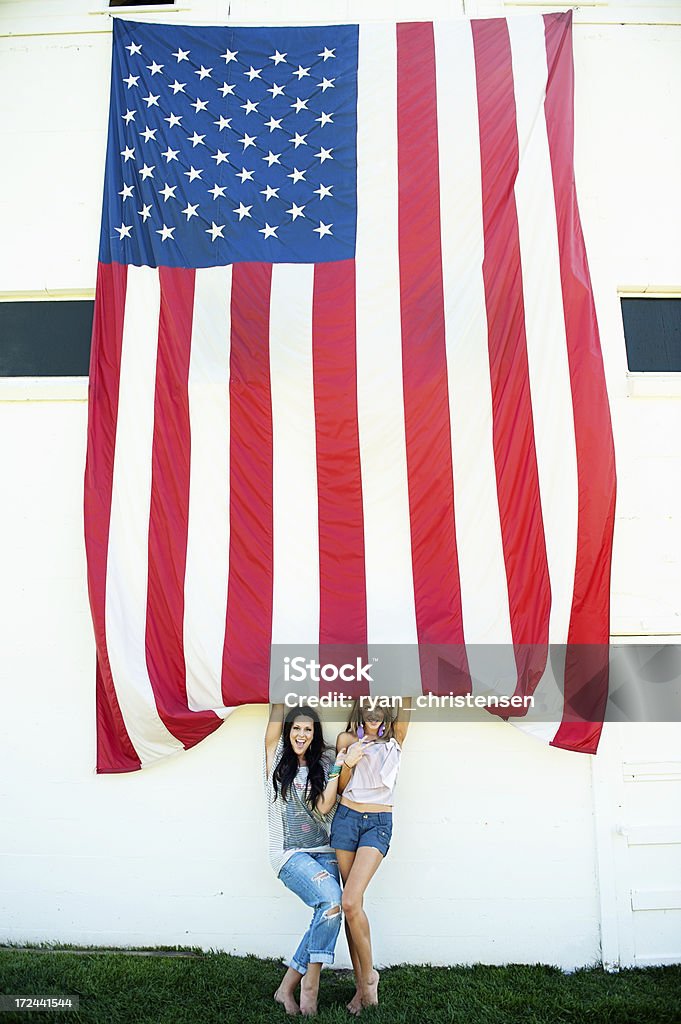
(346, 384)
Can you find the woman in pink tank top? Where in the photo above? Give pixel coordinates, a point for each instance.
(362, 826)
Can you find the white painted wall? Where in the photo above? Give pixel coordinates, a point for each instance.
(504, 850)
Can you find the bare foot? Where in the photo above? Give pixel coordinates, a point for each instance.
(308, 1001)
(355, 1004)
(287, 1000)
(370, 990)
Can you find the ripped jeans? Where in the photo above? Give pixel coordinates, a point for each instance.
(314, 877)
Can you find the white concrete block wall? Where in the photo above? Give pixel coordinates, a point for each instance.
(495, 856)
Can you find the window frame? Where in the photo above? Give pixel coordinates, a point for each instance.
(650, 383)
(46, 389)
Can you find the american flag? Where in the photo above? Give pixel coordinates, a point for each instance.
(346, 384)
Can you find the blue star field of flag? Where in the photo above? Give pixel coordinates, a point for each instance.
(229, 145)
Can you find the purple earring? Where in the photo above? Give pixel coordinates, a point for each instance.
(360, 732)
(381, 730)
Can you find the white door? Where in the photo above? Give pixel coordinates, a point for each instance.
(637, 803)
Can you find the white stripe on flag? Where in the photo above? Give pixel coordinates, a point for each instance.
(546, 342)
(391, 614)
(484, 591)
(295, 609)
(544, 321)
(127, 558)
(207, 568)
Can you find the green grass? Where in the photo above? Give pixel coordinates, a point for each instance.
(213, 987)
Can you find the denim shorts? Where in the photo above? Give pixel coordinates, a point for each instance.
(352, 829)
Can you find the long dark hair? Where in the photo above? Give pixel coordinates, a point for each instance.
(288, 764)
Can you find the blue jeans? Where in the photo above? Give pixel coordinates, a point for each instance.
(351, 829)
(314, 877)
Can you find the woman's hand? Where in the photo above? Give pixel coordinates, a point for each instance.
(340, 758)
(354, 753)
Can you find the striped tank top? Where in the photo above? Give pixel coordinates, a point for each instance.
(293, 826)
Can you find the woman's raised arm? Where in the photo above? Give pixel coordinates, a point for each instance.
(273, 732)
(402, 721)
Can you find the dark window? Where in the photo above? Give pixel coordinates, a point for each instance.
(45, 339)
(652, 333)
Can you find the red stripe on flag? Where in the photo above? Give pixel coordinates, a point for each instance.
(587, 656)
(522, 526)
(248, 633)
(342, 578)
(437, 589)
(115, 752)
(169, 513)
(343, 609)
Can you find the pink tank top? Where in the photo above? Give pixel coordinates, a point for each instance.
(375, 775)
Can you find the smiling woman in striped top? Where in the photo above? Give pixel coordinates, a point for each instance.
(301, 782)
